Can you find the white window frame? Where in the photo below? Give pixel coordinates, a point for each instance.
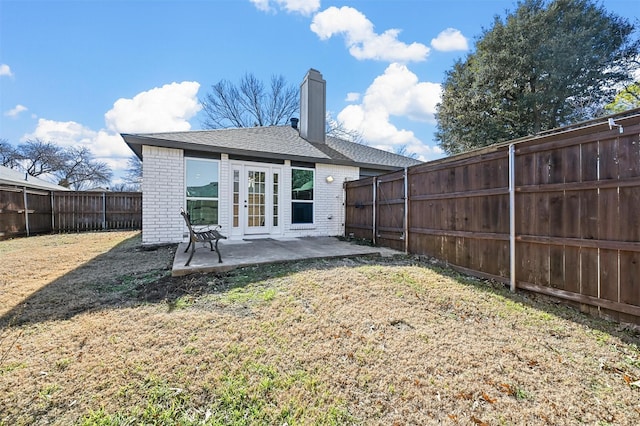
(187, 198)
(312, 202)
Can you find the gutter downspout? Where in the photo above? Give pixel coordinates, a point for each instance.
(512, 217)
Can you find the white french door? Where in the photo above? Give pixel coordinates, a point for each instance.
(255, 199)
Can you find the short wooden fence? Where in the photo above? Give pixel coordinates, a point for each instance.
(557, 214)
(25, 212)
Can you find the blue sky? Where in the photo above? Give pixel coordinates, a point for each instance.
(81, 72)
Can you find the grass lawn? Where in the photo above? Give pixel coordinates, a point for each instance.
(95, 331)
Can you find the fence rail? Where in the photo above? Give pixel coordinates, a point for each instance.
(25, 211)
(557, 214)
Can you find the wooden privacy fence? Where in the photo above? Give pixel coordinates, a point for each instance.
(557, 214)
(25, 211)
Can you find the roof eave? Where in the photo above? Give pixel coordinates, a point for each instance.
(135, 142)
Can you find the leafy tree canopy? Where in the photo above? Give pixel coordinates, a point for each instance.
(626, 99)
(548, 64)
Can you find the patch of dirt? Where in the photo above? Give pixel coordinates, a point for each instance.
(93, 325)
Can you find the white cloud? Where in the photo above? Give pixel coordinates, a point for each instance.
(261, 5)
(14, 112)
(450, 40)
(103, 144)
(166, 108)
(161, 109)
(5, 70)
(397, 92)
(352, 97)
(361, 39)
(303, 7)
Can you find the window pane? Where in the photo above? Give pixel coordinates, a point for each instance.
(301, 184)
(202, 178)
(301, 212)
(203, 211)
(236, 198)
(276, 208)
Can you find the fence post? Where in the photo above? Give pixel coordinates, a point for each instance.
(104, 211)
(375, 194)
(512, 216)
(53, 216)
(406, 210)
(26, 209)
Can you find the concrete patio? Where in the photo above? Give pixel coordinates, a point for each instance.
(239, 253)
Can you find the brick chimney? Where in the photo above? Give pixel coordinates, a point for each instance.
(313, 106)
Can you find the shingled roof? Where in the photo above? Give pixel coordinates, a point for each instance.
(20, 179)
(272, 142)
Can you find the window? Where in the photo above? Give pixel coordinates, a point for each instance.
(276, 205)
(202, 179)
(236, 198)
(302, 195)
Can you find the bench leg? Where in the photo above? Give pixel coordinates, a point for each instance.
(218, 251)
(193, 250)
(188, 245)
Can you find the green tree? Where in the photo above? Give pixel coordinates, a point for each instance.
(535, 70)
(626, 99)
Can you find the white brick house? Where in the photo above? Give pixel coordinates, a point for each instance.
(277, 181)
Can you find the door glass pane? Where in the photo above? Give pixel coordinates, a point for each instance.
(256, 201)
(275, 199)
(236, 198)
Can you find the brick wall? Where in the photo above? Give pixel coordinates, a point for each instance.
(162, 195)
(328, 202)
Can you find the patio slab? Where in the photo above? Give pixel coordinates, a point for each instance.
(239, 253)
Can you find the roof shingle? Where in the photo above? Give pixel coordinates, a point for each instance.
(273, 142)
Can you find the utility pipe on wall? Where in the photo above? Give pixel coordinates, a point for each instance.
(512, 216)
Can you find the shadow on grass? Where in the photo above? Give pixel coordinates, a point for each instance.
(130, 275)
(106, 281)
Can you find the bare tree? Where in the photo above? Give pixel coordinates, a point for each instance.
(403, 150)
(81, 169)
(133, 178)
(338, 130)
(37, 157)
(250, 104)
(9, 156)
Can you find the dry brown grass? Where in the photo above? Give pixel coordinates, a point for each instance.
(94, 331)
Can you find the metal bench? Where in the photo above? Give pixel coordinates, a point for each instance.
(207, 235)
